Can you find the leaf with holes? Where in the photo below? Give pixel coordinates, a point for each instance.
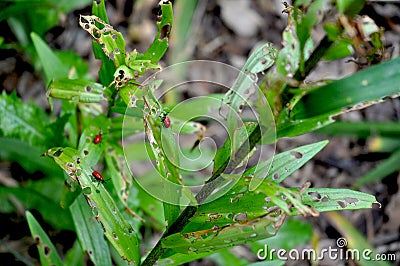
(334, 199)
(107, 66)
(47, 251)
(160, 44)
(227, 236)
(90, 233)
(117, 230)
(77, 90)
(111, 41)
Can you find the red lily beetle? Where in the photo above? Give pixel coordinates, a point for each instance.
(166, 122)
(98, 176)
(97, 138)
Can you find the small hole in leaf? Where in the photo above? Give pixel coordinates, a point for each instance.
(58, 152)
(37, 239)
(88, 88)
(111, 55)
(296, 154)
(116, 51)
(114, 36)
(253, 76)
(90, 252)
(84, 21)
(164, 33)
(46, 250)
(240, 217)
(275, 176)
(85, 152)
(96, 33)
(341, 204)
(376, 204)
(314, 194)
(351, 200)
(324, 199)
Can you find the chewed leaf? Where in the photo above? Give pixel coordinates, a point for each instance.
(226, 236)
(111, 41)
(160, 43)
(116, 228)
(47, 251)
(139, 65)
(331, 199)
(77, 90)
(289, 56)
(90, 237)
(285, 163)
(285, 198)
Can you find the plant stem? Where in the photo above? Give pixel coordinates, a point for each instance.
(314, 58)
(210, 185)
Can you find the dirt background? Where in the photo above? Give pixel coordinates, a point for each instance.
(226, 31)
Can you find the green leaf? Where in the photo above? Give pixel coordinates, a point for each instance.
(117, 230)
(111, 41)
(217, 238)
(52, 65)
(116, 164)
(77, 90)
(362, 129)
(362, 88)
(387, 167)
(107, 66)
(74, 255)
(331, 199)
(383, 144)
(160, 44)
(184, 13)
(292, 128)
(47, 251)
(340, 49)
(74, 61)
(304, 24)
(282, 165)
(22, 121)
(292, 234)
(90, 233)
(289, 56)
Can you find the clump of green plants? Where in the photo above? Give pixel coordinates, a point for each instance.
(93, 191)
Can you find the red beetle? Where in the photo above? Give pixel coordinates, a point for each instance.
(166, 121)
(98, 176)
(97, 138)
